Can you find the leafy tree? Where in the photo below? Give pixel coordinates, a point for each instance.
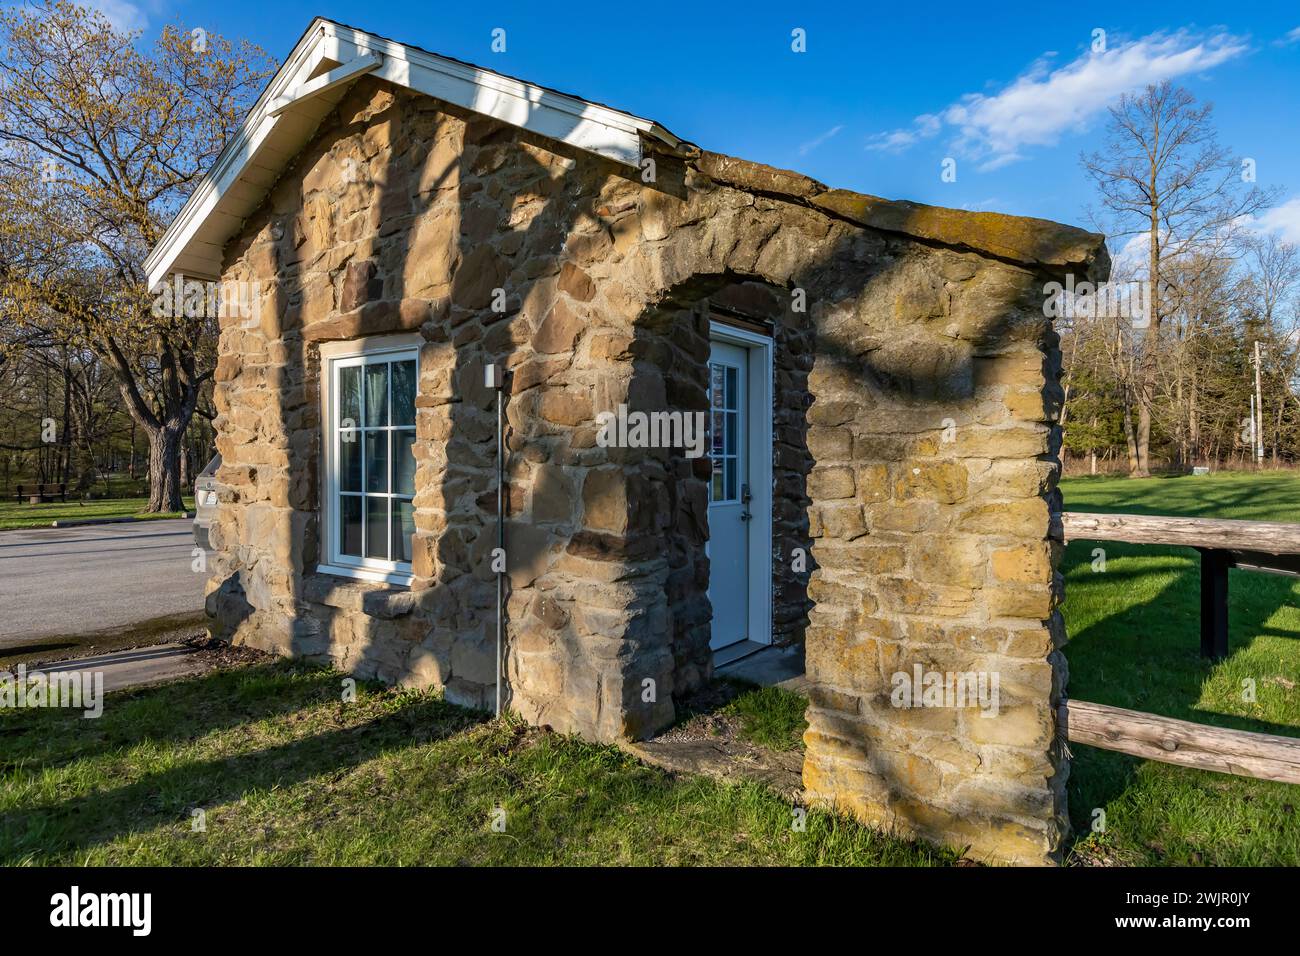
(102, 138)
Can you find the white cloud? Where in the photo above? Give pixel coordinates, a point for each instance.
(812, 144)
(1283, 219)
(1132, 258)
(992, 204)
(1291, 37)
(121, 13)
(1043, 103)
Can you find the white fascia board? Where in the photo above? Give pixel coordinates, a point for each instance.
(326, 57)
(205, 198)
(531, 107)
(233, 157)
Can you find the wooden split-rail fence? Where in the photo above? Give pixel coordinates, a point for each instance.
(1267, 546)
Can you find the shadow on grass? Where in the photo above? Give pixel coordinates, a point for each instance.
(1250, 497)
(1143, 651)
(156, 718)
(180, 711)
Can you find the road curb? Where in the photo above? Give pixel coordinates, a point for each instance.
(81, 522)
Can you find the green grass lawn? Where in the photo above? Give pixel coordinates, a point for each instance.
(1134, 642)
(770, 717)
(14, 514)
(286, 773)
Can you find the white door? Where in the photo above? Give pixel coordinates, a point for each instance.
(730, 494)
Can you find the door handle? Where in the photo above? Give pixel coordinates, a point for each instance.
(745, 498)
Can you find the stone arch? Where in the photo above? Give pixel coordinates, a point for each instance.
(931, 399)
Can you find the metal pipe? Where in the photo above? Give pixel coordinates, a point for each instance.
(501, 537)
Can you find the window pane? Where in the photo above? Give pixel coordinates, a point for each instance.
(715, 433)
(350, 396)
(715, 386)
(377, 528)
(730, 443)
(729, 468)
(731, 388)
(403, 393)
(377, 461)
(403, 528)
(376, 395)
(350, 525)
(715, 488)
(404, 462)
(350, 460)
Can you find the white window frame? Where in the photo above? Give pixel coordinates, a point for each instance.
(335, 356)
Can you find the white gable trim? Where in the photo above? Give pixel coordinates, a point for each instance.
(353, 69)
(313, 79)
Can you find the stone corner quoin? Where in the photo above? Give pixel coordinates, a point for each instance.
(915, 446)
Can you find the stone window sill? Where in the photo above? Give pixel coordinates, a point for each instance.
(372, 598)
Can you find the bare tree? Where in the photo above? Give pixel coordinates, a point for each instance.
(1164, 174)
(1268, 293)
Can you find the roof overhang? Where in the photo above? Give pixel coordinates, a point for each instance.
(312, 81)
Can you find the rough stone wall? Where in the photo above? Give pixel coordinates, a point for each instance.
(931, 388)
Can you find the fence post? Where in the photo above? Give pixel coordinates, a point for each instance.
(1214, 603)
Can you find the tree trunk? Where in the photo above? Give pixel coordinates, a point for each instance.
(65, 440)
(165, 470)
(1130, 440)
(1150, 345)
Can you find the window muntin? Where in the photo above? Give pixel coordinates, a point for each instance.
(724, 429)
(371, 477)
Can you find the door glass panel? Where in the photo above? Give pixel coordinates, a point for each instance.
(724, 399)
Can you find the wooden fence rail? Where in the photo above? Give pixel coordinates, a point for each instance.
(1270, 537)
(1241, 752)
(1253, 545)
(1269, 546)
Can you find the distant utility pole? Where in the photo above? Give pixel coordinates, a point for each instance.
(1258, 413)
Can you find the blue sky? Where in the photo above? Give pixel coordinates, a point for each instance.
(883, 94)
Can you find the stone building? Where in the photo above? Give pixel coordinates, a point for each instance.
(739, 408)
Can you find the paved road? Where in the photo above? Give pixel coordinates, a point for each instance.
(71, 582)
(137, 667)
